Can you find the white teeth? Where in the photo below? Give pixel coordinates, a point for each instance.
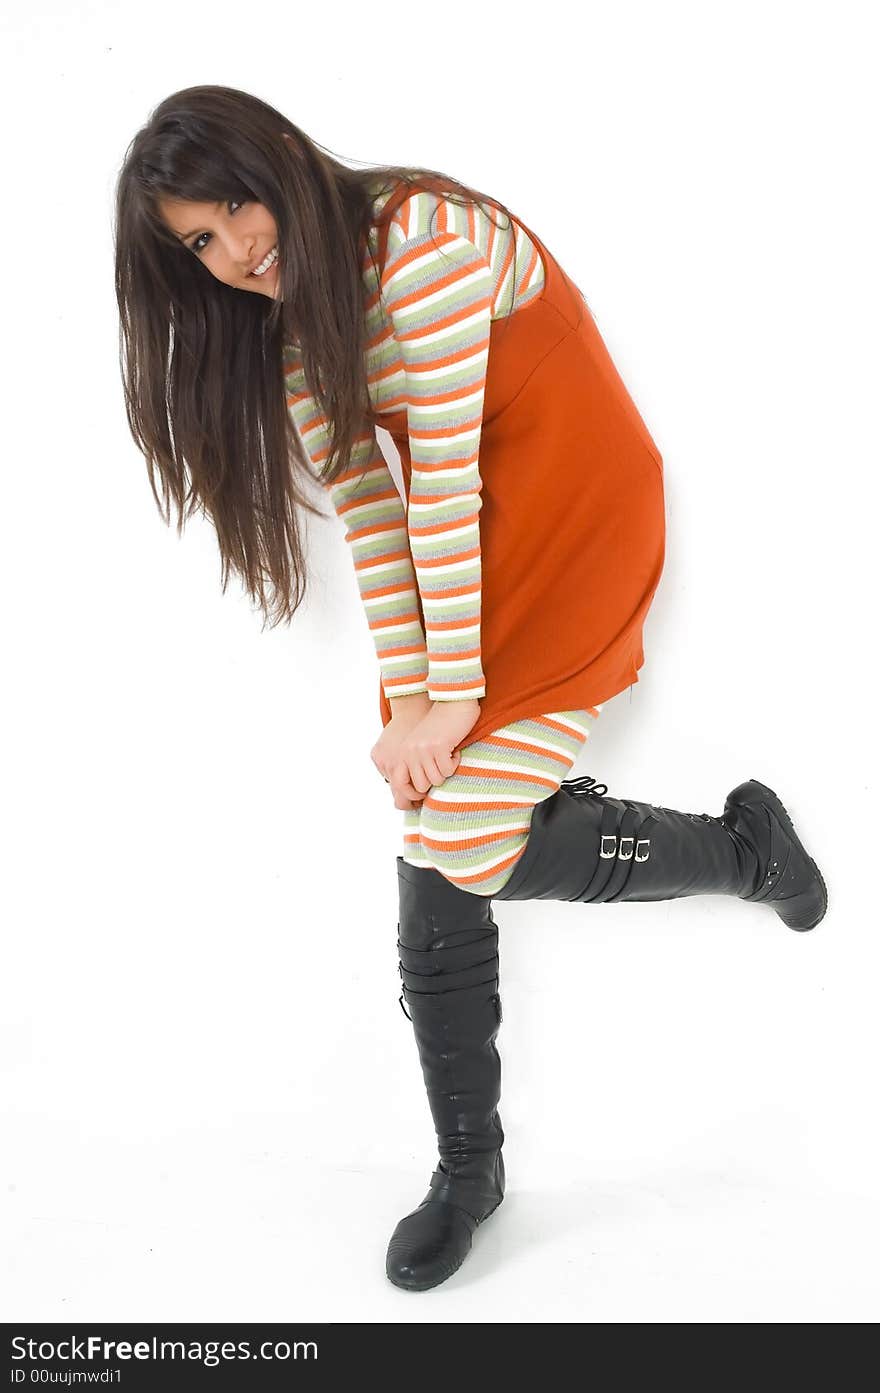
(264, 265)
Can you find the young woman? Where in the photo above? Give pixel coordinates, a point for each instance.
(276, 306)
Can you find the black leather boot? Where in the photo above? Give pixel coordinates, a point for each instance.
(589, 847)
(448, 949)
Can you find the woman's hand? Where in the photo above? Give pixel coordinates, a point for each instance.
(406, 713)
(420, 753)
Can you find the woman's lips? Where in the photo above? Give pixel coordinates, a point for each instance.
(265, 273)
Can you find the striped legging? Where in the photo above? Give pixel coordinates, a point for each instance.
(474, 827)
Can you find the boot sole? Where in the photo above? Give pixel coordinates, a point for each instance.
(429, 1286)
(804, 911)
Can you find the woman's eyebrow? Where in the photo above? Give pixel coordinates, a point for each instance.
(183, 235)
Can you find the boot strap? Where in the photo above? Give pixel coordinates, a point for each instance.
(621, 845)
(604, 867)
(463, 1193)
(618, 848)
(630, 850)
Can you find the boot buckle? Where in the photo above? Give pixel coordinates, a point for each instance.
(613, 840)
(646, 842)
(625, 855)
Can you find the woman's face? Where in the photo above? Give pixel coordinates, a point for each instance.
(231, 239)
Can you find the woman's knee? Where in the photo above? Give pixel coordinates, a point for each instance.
(476, 860)
(444, 939)
(474, 826)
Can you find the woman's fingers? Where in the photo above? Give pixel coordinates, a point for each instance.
(405, 791)
(412, 782)
(439, 768)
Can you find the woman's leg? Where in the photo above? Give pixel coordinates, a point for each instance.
(462, 844)
(502, 827)
(474, 827)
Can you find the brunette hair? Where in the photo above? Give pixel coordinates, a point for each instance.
(203, 364)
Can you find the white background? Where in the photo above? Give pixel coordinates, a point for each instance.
(212, 1102)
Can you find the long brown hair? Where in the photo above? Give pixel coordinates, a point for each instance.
(203, 364)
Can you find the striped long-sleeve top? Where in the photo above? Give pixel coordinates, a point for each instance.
(448, 273)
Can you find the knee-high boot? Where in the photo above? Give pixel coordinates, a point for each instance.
(586, 846)
(448, 950)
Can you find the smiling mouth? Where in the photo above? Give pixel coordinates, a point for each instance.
(274, 262)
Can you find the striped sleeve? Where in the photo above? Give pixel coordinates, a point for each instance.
(374, 518)
(437, 286)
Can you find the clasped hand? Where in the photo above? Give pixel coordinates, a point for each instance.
(417, 749)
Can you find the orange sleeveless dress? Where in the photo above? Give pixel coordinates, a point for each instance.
(572, 522)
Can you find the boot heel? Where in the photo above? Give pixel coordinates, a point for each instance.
(801, 912)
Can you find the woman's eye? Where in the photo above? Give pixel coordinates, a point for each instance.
(194, 246)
